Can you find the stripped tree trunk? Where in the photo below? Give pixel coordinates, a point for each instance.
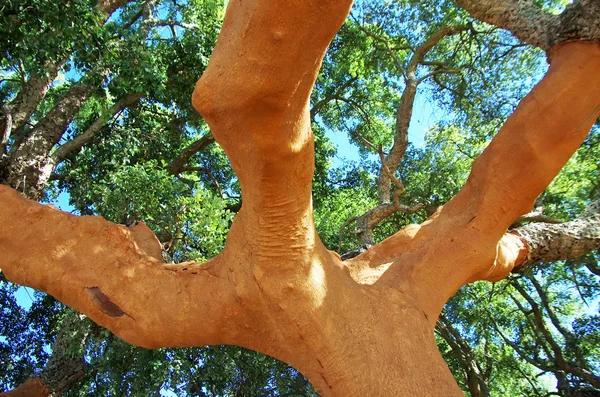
(360, 327)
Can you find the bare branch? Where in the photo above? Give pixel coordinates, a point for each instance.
(336, 94)
(534, 216)
(438, 71)
(422, 50)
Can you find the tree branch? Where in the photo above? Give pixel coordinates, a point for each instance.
(114, 275)
(547, 242)
(7, 128)
(504, 182)
(177, 165)
(531, 24)
(63, 151)
(320, 104)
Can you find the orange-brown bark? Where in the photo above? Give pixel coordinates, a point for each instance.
(465, 240)
(363, 327)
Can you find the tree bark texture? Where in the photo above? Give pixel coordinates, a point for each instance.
(35, 88)
(532, 25)
(360, 327)
(552, 242)
(30, 163)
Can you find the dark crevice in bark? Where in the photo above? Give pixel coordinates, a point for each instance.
(103, 302)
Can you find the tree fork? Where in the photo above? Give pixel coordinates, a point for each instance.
(363, 327)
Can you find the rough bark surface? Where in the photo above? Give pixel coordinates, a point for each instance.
(30, 164)
(530, 24)
(525, 20)
(354, 328)
(35, 88)
(552, 242)
(30, 96)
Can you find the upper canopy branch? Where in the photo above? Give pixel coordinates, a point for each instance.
(531, 24)
(525, 20)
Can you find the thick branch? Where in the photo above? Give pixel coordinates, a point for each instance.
(30, 163)
(531, 24)
(30, 95)
(505, 180)
(35, 88)
(552, 242)
(534, 216)
(525, 20)
(113, 274)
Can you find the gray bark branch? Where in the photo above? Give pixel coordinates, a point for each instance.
(552, 242)
(532, 25)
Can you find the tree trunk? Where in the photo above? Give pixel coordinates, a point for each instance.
(30, 96)
(354, 328)
(30, 163)
(35, 88)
